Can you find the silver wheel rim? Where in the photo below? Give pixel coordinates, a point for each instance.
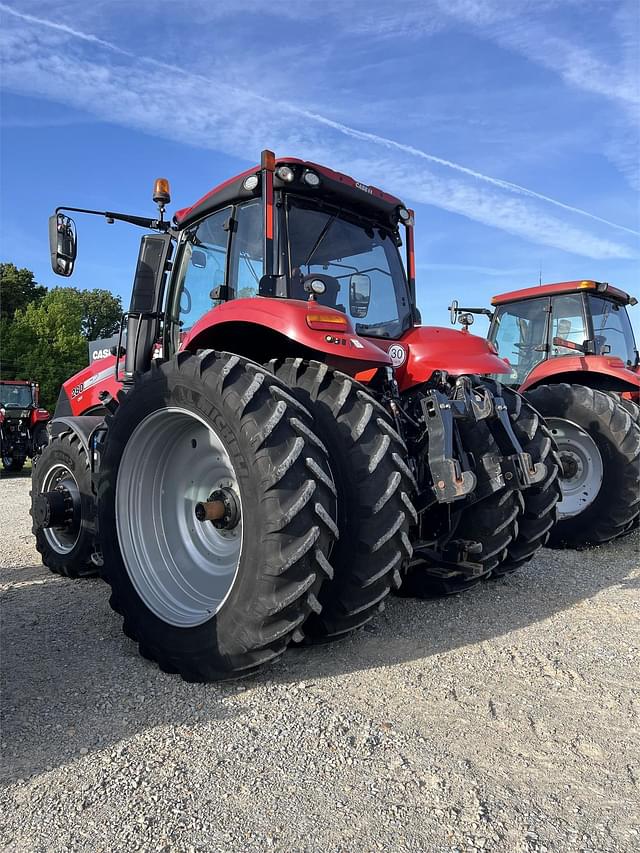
(583, 469)
(182, 569)
(62, 539)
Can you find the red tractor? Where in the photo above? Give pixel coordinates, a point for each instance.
(282, 444)
(572, 353)
(23, 424)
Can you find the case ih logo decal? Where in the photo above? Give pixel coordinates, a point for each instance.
(364, 188)
(397, 354)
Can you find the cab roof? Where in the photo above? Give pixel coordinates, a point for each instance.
(355, 195)
(600, 287)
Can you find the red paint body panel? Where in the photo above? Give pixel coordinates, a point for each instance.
(39, 416)
(553, 369)
(561, 287)
(429, 348)
(289, 318)
(83, 388)
(321, 170)
(185, 211)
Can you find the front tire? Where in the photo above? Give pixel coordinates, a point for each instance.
(66, 551)
(196, 424)
(491, 523)
(539, 507)
(599, 446)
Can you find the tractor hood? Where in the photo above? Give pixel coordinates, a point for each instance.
(424, 349)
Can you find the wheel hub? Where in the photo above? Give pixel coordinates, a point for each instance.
(57, 510)
(582, 466)
(572, 466)
(222, 509)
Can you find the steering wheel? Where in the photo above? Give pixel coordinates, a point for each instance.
(186, 293)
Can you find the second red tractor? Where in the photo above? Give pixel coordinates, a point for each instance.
(571, 352)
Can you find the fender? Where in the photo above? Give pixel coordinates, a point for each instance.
(84, 427)
(242, 325)
(424, 349)
(593, 368)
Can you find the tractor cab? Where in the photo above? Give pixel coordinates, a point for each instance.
(19, 396)
(570, 319)
(323, 252)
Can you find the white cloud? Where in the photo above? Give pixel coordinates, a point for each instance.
(51, 60)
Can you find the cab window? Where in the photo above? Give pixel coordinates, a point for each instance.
(356, 261)
(203, 267)
(568, 323)
(612, 330)
(247, 266)
(519, 334)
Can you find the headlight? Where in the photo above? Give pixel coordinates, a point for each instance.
(251, 182)
(311, 179)
(285, 173)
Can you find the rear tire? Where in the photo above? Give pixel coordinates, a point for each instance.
(285, 493)
(60, 553)
(374, 485)
(606, 505)
(539, 512)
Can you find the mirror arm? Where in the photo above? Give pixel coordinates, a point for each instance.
(141, 221)
(486, 311)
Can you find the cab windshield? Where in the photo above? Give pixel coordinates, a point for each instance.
(612, 332)
(519, 332)
(357, 263)
(15, 396)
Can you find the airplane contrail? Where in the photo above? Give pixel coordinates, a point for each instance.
(346, 130)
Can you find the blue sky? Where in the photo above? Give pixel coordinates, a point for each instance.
(511, 128)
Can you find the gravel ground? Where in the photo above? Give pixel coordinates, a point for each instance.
(503, 720)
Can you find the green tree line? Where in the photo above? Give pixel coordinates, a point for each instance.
(44, 333)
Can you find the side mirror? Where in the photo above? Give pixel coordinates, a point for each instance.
(359, 294)
(453, 312)
(63, 244)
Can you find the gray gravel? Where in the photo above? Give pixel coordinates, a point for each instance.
(504, 720)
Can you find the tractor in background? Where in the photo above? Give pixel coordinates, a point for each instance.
(571, 352)
(280, 443)
(23, 423)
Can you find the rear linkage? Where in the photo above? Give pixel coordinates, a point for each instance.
(514, 469)
(435, 444)
(441, 405)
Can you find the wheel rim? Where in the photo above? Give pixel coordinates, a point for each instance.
(63, 539)
(582, 467)
(182, 569)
